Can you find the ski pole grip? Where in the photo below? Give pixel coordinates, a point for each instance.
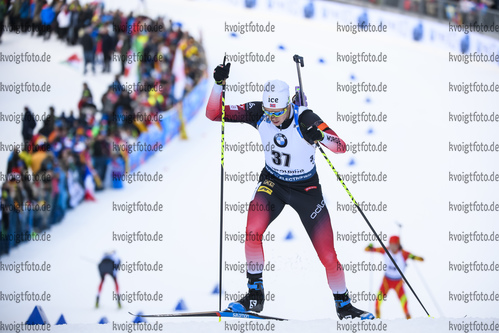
(298, 60)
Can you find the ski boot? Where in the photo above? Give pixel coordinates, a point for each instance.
(252, 301)
(346, 310)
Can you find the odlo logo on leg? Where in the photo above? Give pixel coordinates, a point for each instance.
(317, 210)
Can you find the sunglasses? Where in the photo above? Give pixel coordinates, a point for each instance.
(274, 113)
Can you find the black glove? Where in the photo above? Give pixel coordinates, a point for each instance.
(313, 134)
(297, 99)
(221, 73)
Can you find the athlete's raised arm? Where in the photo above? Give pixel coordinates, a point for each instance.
(248, 113)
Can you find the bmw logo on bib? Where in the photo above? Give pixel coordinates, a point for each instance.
(280, 140)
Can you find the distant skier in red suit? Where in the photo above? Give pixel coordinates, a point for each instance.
(393, 279)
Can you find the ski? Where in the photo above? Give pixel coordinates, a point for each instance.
(229, 314)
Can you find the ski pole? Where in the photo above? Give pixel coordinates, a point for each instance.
(371, 289)
(421, 276)
(371, 227)
(299, 59)
(428, 289)
(221, 197)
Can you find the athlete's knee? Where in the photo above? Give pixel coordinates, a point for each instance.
(254, 235)
(330, 260)
(256, 226)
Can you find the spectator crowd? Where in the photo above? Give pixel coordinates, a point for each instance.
(71, 156)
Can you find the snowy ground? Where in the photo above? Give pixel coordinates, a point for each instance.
(417, 193)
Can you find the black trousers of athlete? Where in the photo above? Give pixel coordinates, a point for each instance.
(106, 266)
(306, 198)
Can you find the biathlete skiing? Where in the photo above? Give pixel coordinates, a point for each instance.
(109, 266)
(288, 178)
(393, 279)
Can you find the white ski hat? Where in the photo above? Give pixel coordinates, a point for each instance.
(275, 94)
